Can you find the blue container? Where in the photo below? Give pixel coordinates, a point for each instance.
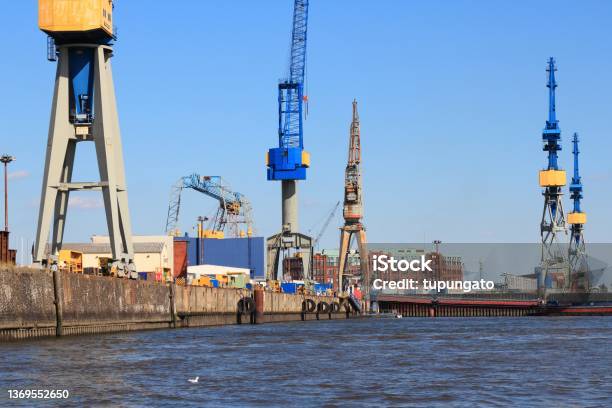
(215, 283)
(245, 253)
(249, 286)
(289, 287)
(142, 275)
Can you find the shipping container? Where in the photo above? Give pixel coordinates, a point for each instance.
(289, 287)
(142, 275)
(237, 280)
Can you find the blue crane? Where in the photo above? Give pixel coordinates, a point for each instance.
(234, 208)
(579, 268)
(576, 185)
(552, 179)
(576, 218)
(289, 161)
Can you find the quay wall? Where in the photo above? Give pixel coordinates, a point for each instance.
(40, 303)
(26, 299)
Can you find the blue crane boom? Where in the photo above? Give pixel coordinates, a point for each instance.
(289, 160)
(552, 134)
(234, 208)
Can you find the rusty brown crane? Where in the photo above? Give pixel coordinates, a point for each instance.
(353, 214)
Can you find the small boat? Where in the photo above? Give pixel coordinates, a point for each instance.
(398, 316)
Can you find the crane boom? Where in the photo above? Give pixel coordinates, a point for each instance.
(330, 217)
(290, 126)
(234, 208)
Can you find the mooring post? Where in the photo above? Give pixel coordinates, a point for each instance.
(172, 306)
(57, 294)
(258, 295)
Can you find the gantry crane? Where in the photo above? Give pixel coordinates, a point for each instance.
(579, 271)
(353, 212)
(288, 162)
(552, 179)
(84, 109)
(234, 213)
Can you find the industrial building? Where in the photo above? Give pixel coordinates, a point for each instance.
(519, 283)
(7, 256)
(245, 253)
(444, 267)
(218, 276)
(325, 265)
(152, 254)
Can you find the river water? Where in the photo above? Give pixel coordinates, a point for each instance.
(539, 361)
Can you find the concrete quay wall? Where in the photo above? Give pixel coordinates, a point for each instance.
(40, 303)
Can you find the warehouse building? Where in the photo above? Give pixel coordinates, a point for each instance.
(245, 253)
(325, 265)
(152, 254)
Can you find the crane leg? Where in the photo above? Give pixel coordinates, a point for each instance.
(345, 240)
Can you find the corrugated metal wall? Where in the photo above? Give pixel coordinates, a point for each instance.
(237, 252)
(180, 258)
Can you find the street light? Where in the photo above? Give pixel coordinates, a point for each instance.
(201, 221)
(6, 159)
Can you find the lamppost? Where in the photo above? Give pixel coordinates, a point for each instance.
(6, 159)
(201, 221)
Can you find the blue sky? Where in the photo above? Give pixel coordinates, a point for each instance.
(451, 94)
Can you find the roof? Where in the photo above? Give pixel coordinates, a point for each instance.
(88, 248)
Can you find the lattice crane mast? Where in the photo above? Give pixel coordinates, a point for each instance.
(353, 214)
